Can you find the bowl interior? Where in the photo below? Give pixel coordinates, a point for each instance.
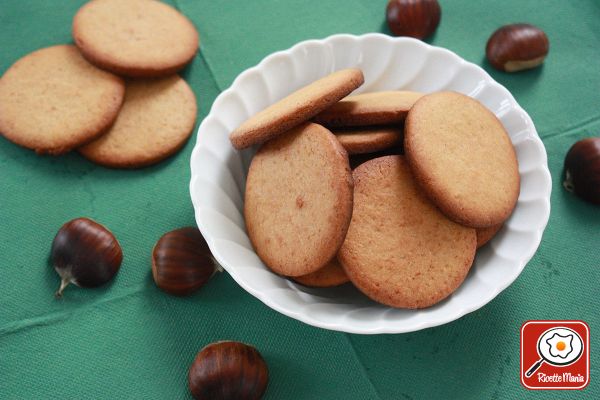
(219, 175)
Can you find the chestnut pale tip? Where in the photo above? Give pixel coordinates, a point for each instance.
(64, 282)
(517, 47)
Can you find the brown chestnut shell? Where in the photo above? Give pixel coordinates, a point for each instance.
(228, 370)
(182, 261)
(414, 18)
(517, 47)
(582, 169)
(85, 253)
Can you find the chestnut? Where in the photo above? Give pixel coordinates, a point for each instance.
(228, 371)
(415, 18)
(582, 169)
(517, 47)
(182, 261)
(85, 253)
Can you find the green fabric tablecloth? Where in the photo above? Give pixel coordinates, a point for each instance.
(128, 340)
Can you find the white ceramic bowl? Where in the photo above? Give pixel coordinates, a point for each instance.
(219, 175)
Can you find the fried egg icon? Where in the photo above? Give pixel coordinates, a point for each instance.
(560, 346)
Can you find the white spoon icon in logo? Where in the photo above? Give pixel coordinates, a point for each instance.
(559, 347)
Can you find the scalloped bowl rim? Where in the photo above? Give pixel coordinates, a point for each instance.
(388, 328)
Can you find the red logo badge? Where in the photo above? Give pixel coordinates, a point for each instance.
(555, 354)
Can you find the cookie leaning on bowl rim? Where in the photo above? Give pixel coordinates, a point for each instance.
(298, 200)
(296, 108)
(53, 100)
(400, 250)
(463, 158)
(136, 38)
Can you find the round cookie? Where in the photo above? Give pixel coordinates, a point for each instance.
(138, 38)
(484, 235)
(156, 120)
(330, 275)
(368, 140)
(377, 108)
(400, 250)
(296, 108)
(298, 200)
(463, 158)
(53, 100)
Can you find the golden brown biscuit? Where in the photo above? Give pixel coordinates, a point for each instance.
(156, 120)
(298, 200)
(53, 100)
(377, 108)
(368, 139)
(332, 274)
(400, 250)
(296, 108)
(484, 235)
(463, 158)
(138, 38)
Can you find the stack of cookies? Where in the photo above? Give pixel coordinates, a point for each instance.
(115, 95)
(436, 179)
